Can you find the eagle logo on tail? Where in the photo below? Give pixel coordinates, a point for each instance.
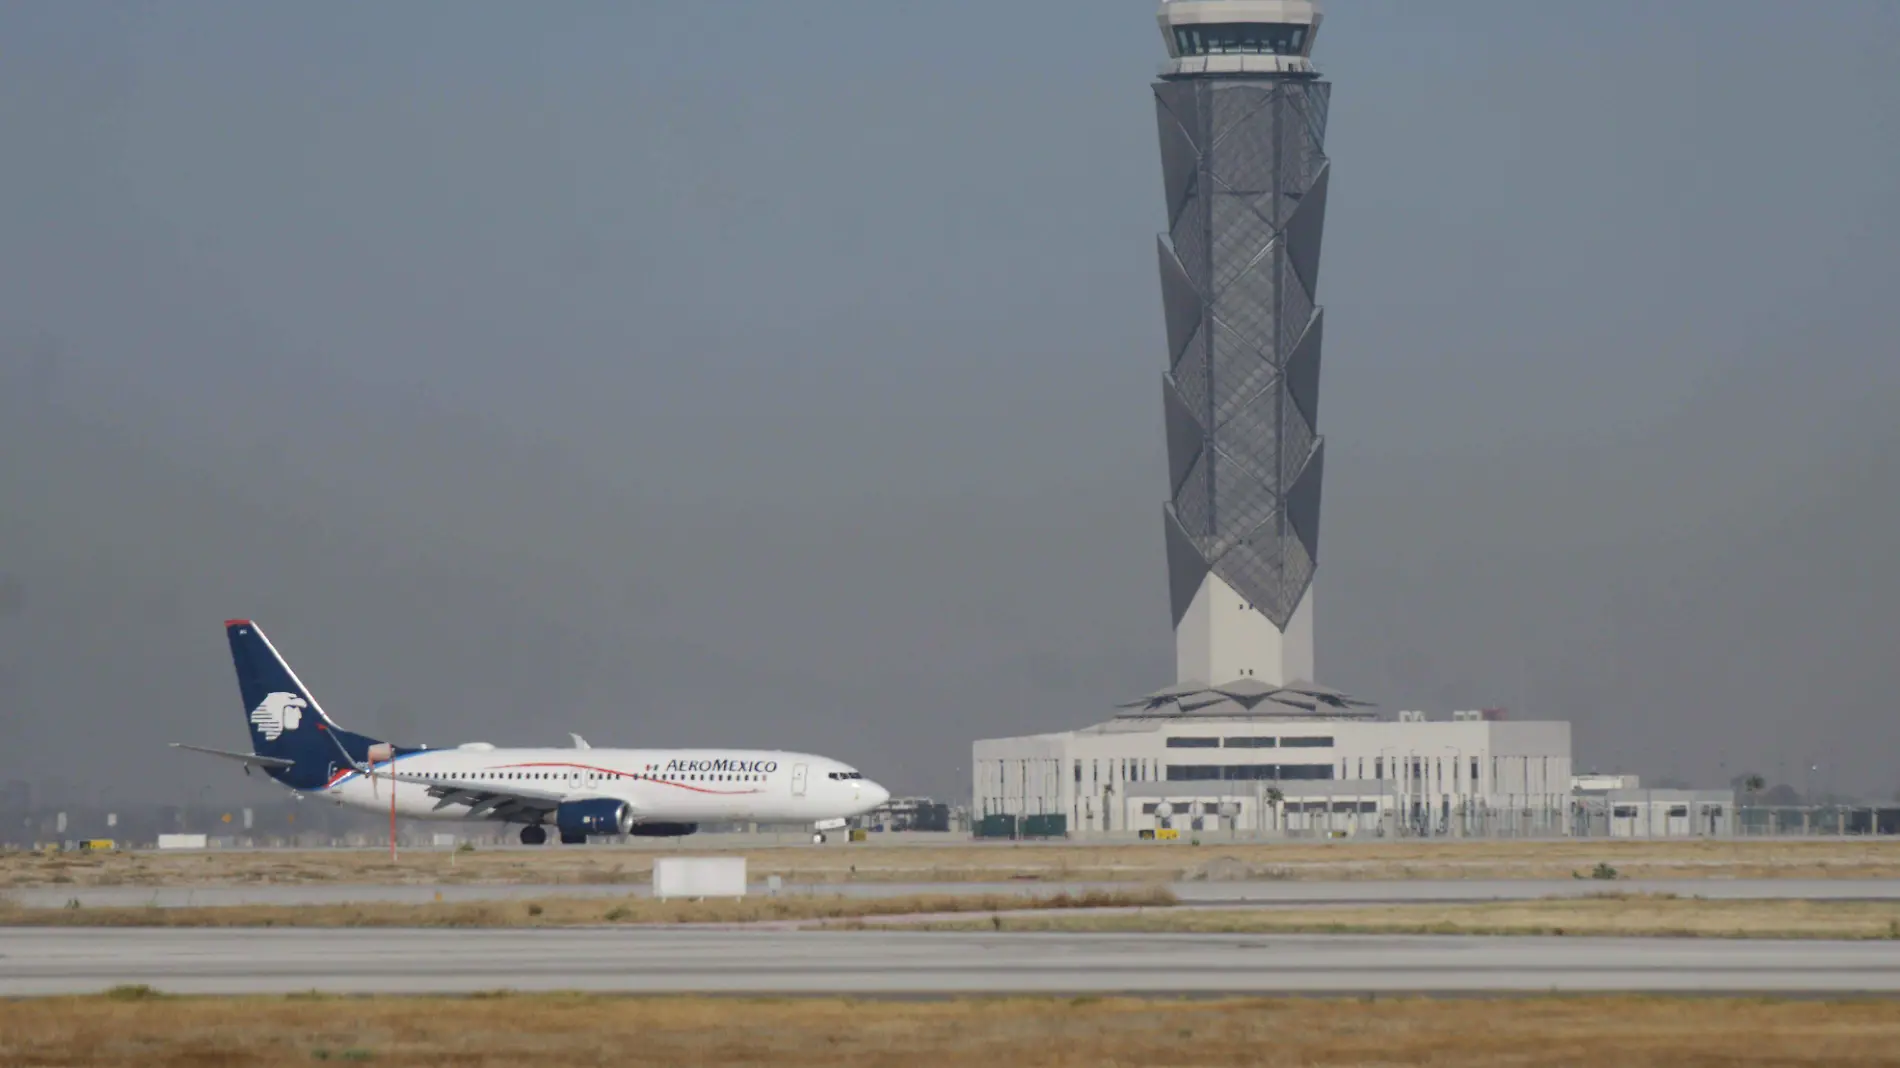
(278, 713)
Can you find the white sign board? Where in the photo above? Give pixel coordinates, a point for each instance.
(698, 877)
(183, 841)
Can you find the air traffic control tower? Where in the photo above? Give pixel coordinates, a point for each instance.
(1243, 129)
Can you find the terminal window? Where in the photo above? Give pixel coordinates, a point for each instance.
(1194, 743)
(1306, 771)
(1250, 772)
(1256, 38)
(1193, 772)
(1247, 772)
(1251, 743)
(1317, 741)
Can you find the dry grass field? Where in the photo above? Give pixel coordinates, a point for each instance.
(1608, 916)
(128, 1030)
(1149, 909)
(570, 911)
(1140, 863)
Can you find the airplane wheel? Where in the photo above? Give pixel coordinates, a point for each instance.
(533, 834)
(818, 839)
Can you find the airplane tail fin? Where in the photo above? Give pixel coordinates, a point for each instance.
(285, 720)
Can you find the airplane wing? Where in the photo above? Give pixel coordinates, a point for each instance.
(485, 801)
(251, 759)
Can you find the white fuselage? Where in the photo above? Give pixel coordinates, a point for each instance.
(660, 785)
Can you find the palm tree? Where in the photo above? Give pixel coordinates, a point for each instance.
(1752, 784)
(1274, 798)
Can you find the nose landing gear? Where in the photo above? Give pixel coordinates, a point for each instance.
(818, 838)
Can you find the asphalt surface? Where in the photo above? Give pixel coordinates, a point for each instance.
(42, 961)
(1262, 893)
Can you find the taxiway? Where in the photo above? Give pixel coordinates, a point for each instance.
(42, 961)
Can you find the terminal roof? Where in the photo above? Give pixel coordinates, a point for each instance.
(1245, 698)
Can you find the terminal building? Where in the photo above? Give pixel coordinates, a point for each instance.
(1245, 741)
(1247, 758)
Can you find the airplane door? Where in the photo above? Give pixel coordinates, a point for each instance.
(798, 780)
(573, 780)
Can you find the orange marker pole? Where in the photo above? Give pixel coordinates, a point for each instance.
(386, 752)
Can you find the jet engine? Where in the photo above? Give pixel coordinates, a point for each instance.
(602, 815)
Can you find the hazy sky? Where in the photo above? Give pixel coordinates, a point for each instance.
(782, 374)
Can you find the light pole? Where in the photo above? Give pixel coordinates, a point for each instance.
(1413, 780)
(1457, 758)
(1386, 770)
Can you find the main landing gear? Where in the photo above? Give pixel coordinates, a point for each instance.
(533, 834)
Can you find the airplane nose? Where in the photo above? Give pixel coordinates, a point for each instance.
(875, 795)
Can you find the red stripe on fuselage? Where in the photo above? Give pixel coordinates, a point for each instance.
(631, 776)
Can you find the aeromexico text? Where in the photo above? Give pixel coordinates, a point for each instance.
(765, 766)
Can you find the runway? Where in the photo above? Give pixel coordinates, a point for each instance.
(42, 961)
(1287, 893)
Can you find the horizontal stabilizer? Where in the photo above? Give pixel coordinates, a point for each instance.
(243, 758)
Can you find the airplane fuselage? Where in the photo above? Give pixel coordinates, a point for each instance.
(659, 785)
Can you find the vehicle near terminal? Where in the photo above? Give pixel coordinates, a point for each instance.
(579, 792)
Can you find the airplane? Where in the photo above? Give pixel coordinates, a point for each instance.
(580, 792)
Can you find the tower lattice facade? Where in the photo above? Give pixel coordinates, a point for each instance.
(1245, 175)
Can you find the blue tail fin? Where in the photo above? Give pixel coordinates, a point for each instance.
(284, 719)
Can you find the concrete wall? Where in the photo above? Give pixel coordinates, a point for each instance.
(1669, 813)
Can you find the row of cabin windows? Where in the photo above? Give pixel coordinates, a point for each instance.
(1294, 742)
(592, 776)
(1255, 38)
